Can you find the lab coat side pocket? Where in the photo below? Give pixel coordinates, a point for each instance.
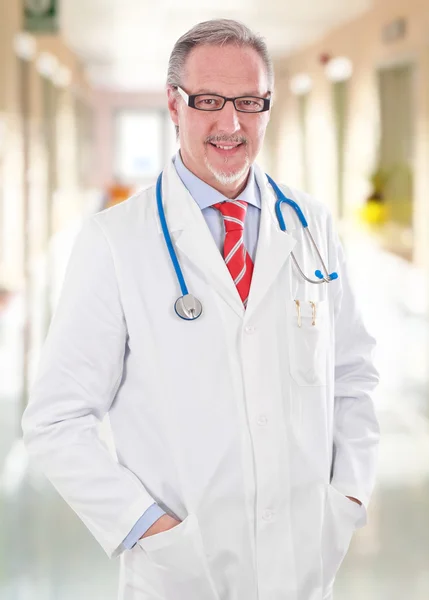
(308, 340)
(179, 559)
(340, 521)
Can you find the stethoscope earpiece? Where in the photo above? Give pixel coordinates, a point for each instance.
(331, 277)
(327, 278)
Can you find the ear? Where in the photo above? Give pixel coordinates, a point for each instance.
(172, 102)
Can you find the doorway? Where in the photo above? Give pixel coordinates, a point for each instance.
(396, 155)
(339, 99)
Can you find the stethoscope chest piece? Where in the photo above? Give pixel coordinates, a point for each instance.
(188, 307)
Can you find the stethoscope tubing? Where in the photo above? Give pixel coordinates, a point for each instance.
(167, 237)
(327, 278)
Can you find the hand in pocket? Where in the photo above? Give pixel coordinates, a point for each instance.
(162, 524)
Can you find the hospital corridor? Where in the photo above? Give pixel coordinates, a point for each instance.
(84, 125)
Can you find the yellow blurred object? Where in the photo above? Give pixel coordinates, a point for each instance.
(374, 212)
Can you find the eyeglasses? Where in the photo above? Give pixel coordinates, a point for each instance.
(212, 102)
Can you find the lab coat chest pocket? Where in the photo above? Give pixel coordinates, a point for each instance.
(308, 339)
(179, 560)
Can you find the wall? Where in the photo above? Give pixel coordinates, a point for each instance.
(361, 41)
(69, 194)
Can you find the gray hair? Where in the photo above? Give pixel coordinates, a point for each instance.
(216, 32)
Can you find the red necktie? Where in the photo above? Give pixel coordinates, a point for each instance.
(236, 257)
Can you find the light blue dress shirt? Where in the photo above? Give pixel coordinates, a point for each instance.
(205, 196)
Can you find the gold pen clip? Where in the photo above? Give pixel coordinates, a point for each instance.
(298, 309)
(313, 306)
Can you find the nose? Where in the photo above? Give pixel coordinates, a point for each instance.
(228, 118)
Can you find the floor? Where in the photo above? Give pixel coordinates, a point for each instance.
(46, 553)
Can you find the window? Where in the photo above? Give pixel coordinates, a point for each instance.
(139, 148)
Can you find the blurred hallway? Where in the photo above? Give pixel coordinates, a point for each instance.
(84, 123)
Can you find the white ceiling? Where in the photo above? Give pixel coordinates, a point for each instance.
(126, 43)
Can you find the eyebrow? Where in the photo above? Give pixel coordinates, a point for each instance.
(207, 91)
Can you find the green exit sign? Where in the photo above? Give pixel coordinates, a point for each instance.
(41, 16)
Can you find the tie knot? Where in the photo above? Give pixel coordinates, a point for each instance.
(234, 213)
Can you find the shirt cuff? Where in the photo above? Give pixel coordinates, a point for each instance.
(146, 521)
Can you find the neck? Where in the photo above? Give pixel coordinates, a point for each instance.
(231, 192)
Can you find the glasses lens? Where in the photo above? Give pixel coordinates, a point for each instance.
(207, 102)
(249, 104)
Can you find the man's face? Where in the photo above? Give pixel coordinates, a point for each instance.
(228, 71)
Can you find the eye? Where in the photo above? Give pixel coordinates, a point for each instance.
(208, 102)
(251, 104)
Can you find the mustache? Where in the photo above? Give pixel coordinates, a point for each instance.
(222, 138)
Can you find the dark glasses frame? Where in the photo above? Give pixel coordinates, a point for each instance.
(190, 101)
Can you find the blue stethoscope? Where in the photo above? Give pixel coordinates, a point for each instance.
(190, 308)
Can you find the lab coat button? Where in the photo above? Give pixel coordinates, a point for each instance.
(262, 420)
(249, 329)
(267, 514)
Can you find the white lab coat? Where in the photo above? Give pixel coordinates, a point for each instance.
(247, 428)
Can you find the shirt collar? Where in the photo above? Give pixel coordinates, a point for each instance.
(205, 195)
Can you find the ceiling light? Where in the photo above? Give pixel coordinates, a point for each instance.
(47, 65)
(339, 69)
(24, 45)
(301, 84)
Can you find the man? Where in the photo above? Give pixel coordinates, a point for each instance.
(245, 438)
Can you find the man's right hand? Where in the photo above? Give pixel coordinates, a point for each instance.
(162, 524)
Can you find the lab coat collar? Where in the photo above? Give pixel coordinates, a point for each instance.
(273, 248)
(192, 237)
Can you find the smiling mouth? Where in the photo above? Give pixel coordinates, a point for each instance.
(225, 146)
(226, 149)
